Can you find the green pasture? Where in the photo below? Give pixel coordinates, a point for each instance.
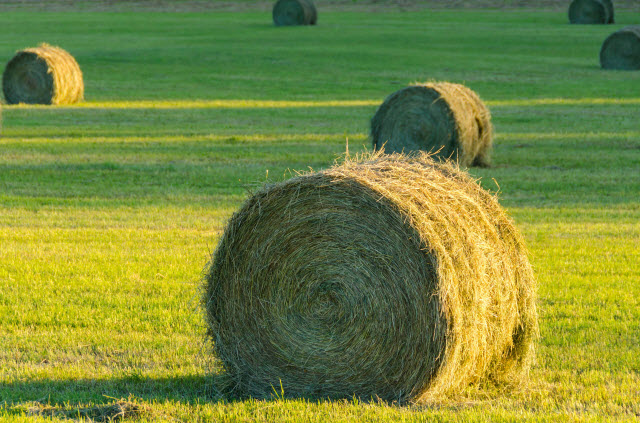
(110, 210)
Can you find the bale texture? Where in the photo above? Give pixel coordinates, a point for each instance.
(294, 12)
(42, 75)
(387, 277)
(443, 118)
(591, 12)
(621, 50)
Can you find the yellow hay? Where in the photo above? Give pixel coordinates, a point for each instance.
(443, 118)
(43, 75)
(384, 277)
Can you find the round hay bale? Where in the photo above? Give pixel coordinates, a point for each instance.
(591, 12)
(42, 75)
(446, 119)
(386, 277)
(621, 50)
(294, 12)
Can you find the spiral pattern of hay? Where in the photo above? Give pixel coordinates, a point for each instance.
(294, 12)
(621, 50)
(42, 75)
(443, 118)
(591, 12)
(389, 277)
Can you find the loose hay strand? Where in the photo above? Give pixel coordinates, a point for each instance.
(59, 81)
(383, 277)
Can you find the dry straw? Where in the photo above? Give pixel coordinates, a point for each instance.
(294, 12)
(621, 50)
(591, 12)
(386, 277)
(443, 118)
(42, 75)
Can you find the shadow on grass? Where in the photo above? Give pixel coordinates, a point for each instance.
(105, 400)
(114, 399)
(189, 389)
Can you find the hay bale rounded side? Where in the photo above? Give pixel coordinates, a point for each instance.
(591, 12)
(294, 12)
(621, 50)
(387, 277)
(608, 4)
(42, 75)
(443, 118)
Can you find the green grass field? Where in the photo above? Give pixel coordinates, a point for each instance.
(110, 210)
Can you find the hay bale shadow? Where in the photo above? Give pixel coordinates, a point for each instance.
(111, 412)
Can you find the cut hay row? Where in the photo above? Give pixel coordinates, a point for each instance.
(621, 50)
(294, 12)
(42, 75)
(591, 12)
(387, 277)
(443, 118)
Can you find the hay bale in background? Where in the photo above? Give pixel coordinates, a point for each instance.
(591, 12)
(42, 75)
(621, 50)
(390, 277)
(294, 12)
(443, 118)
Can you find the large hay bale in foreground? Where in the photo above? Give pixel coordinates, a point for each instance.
(591, 12)
(443, 118)
(390, 277)
(294, 12)
(621, 50)
(42, 75)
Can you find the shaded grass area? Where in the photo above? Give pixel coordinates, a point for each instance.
(529, 168)
(108, 215)
(344, 57)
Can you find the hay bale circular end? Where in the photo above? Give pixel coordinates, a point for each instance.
(591, 12)
(42, 75)
(446, 119)
(388, 277)
(294, 12)
(621, 50)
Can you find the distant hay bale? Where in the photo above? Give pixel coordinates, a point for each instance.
(443, 118)
(621, 50)
(294, 12)
(591, 12)
(42, 75)
(387, 277)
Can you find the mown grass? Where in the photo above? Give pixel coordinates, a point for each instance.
(109, 211)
